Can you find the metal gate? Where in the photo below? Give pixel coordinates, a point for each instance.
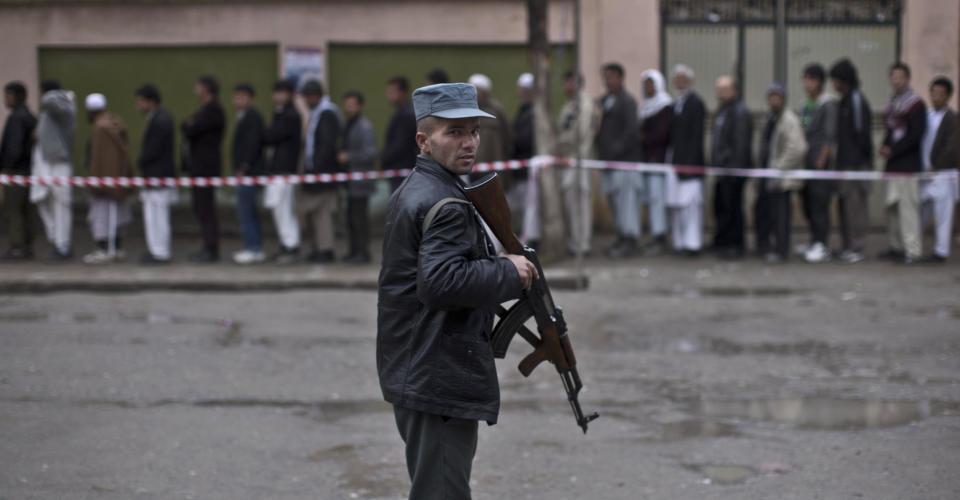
(738, 37)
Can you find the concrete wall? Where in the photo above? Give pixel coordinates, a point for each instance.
(931, 42)
(623, 31)
(287, 24)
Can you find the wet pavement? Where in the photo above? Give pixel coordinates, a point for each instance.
(713, 380)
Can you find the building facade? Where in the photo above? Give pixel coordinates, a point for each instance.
(112, 46)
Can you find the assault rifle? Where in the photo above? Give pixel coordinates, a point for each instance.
(552, 344)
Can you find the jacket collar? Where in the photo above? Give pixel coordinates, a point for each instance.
(430, 166)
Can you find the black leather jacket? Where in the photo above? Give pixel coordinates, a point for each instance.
(437, 293)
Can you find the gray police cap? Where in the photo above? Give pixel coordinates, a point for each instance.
(447, 100)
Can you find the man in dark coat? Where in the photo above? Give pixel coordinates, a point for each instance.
(282, 139)
(400, 143)
(439, 284)
(617, 141)
(732, 135)
(906, 122)
(686, 149)
(854, 152)
(15, 148)
(941, 153)
(318, 202)
(156, 161)
(248, 161)
(204, 133)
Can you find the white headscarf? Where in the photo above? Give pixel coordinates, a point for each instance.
(661, 99)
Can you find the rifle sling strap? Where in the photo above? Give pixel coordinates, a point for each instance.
(435, 209)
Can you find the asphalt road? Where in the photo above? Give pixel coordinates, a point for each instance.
(714, 381)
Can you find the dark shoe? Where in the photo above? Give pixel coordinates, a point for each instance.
(891, 254)
(934, 259)
(17, 254)
(287, 256)
(615, 244)
(731, 253)
(324, 257)
(204, 257)
(626, 248)
(655, 247)
(148, 259)
(573, 253)
(688, 254)
(58, 257)
(774, 258)
(357, 259)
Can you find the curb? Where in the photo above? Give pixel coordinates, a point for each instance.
(43, 285)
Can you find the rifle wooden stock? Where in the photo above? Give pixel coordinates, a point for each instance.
(488, 197)
(490, 200)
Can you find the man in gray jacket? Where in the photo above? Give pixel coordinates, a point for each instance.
(359, 151)
(53, 157)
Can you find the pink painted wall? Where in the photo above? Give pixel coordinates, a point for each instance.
(931, 42)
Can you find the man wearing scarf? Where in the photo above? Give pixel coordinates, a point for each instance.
(655, 116)
(906, 121)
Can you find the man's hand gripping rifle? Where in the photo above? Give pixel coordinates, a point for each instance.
(553, 343)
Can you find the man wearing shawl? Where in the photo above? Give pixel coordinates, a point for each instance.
(906, 121)
(655, 115)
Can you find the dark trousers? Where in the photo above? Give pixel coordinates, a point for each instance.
(440, 454)
(205, 210)
(358, 220)
(728, 211)
(18, 212)
(817, 195)
(854, 214)
(772, 216)
(249, 217)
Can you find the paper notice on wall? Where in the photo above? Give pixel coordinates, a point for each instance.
(302, 64)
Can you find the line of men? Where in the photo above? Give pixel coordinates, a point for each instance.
(334, 140)
(831, 132)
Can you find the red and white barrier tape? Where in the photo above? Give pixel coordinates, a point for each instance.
(536, 162)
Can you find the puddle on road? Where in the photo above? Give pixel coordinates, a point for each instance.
(731, 292)
(331, 411)
(828, 414)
